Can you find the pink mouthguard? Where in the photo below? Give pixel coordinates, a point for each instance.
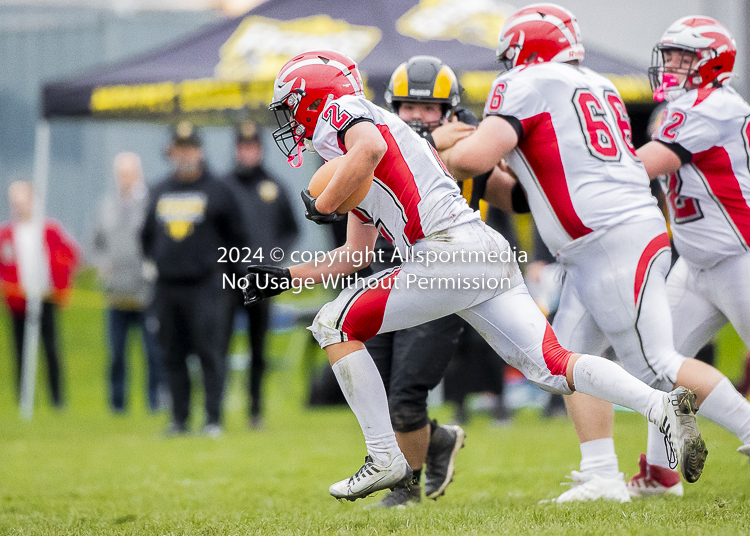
(297, 156)
(668, 81)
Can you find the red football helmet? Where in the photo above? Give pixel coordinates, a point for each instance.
(301, 90)
(702, 36)
(539, 33)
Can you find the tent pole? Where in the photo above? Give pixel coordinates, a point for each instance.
(34, 297)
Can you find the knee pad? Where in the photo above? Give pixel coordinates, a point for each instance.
(409, 418)
(324, 329)
(556, 385)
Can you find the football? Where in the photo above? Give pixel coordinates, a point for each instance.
(323, 176)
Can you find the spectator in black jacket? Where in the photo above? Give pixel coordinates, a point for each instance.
(191, 216)
(269, 223)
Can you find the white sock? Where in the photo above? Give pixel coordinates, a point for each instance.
(656, 451)
(729, 409)
(603, 379)
(363, 389)
(598, 457)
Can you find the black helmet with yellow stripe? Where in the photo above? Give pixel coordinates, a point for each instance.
(423, 79)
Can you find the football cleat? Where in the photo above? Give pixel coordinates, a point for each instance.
(371, 478)
(445, 442)
(654, 480)
(176, 429)
(402, 496)
(744, 449)
(680, 427)
(593, 488)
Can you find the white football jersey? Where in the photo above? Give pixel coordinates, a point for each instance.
(709, 195)
(412, 195)
(575, 155)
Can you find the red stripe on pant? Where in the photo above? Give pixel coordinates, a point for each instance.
(555, 356)
(365, 316)
(656, 246)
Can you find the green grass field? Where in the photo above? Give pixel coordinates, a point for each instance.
(84, 471)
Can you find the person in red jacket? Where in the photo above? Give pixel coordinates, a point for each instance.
(29, 265)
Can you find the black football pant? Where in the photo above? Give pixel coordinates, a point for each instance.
(411, 362)
(258, 316)
(256, 330)
(192, 320)
(49, 341)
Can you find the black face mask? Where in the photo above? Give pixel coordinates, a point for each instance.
(423, 128)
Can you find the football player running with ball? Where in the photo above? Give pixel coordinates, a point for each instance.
(423, 92)
(567, 136)
(416, 204)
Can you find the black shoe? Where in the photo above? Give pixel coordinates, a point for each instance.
(176, 429)
(445, 442)
(402, 496)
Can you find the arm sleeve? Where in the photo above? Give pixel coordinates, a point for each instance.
(341, 135)
(515, 123)
(683, 154)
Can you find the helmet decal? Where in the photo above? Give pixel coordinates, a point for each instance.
(303, 87)
(694, 52)
(540, 33)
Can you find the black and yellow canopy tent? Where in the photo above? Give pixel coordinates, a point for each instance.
(229, 67)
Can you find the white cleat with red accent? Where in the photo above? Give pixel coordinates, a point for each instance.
(654, 480)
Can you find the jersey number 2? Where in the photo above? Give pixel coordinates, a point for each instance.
(670, 127)
(600, 140)
(336, 116)
(685, 209)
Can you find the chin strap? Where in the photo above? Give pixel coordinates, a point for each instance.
(290, 160)
(668, 81)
